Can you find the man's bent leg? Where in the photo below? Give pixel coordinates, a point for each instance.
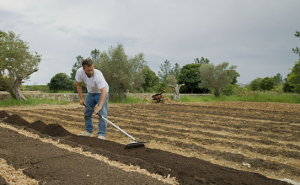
(88, 114)
(102, 125)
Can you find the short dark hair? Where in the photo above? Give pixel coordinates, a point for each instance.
(87, 62)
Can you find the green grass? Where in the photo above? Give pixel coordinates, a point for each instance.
(249, 97)
(130, 100)
(30, 102)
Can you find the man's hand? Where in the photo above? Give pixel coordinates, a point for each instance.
(82, 101)
(97, 109)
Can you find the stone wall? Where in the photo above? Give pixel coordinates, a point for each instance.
(74, 97)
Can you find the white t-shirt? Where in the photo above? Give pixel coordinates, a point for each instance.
(95, 83)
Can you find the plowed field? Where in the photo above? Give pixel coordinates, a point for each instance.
(262, 138)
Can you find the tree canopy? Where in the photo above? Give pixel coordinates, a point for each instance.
(217, 77)
(294, 77)
(267, 84)
(165, 70)
(76, 66)
(17, 63)
(150, 79)
(61, 82)
(201, 61)
(190, 76)
(297, 50)
(255, 84)
(120, 71)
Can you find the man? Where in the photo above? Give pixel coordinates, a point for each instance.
(97, 93)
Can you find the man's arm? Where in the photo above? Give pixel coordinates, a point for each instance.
(79, 90)
(102, 99)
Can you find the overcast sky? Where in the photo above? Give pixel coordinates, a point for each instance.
(257, 36)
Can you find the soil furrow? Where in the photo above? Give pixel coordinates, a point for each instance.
(265, 136)
(174, 130)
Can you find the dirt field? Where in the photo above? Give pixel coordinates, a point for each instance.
(200, 143)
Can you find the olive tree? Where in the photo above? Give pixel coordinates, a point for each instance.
(120, 71)
(17, 63)
(217, 77)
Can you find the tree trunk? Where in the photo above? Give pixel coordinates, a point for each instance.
(217, 93)
(176, 89)
(122, 93)
(15, 90)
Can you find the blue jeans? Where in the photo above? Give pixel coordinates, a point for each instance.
(91, 100)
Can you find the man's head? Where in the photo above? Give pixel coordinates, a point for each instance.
(88, 67)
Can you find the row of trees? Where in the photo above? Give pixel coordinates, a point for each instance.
(123, 72)
(289, 84)
(198, 77)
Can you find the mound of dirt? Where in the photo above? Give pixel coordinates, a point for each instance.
(54, 130)
(16, 120)
(38, 125)
(3, 114)
(2, 181)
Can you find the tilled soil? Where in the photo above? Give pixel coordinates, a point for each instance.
(51, 165)
(185, 139)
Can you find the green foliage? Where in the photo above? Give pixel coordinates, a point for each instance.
(42, 88)
(95, 56)
(252, 96)
(217, 77)
(17, 63)
(234, 81)
(287, 87)
(31, 102)
(297, 50)
(76, 66)
(190, 76)
(176, 71)
(294, 77)
(278, 79)
(120, 71)
(255, 84)
(150, 79)
(61, 82)
(257, 96)
(201, 61)
(267, 84)
(171, 80)
(114, 98)
(165, 70)
(230, 89)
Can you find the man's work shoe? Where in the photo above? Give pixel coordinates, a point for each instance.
(101, 137)
(86, 133)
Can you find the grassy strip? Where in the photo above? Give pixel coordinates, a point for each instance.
(31, 102)
(248, 97)
(130, 100)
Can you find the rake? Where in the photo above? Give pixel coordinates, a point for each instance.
(134, 144)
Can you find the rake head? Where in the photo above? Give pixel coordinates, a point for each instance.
(136, 144)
